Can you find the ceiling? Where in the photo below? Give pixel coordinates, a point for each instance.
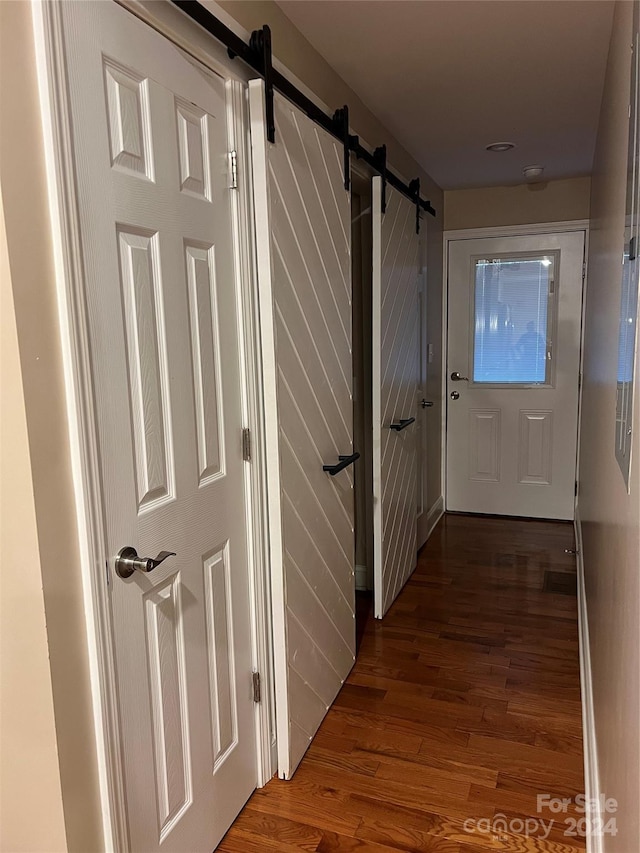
(449, 77)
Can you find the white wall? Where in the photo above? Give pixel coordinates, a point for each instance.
(29, 772)
(50, 563)
(524, 204)
(610, 517)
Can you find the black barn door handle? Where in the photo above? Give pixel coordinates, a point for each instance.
(344, 462)
(404, 422)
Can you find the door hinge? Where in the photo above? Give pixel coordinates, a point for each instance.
(255, 677)
(246, 444)
(584, 270)
(233, 162)
(575, 491)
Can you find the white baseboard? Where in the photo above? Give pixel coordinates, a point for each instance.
(434, 515)
(591, 772)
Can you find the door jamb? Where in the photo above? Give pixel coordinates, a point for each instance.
(361, 176)
(530, 230)
(83, 435)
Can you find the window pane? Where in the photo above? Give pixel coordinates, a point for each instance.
(512, 320)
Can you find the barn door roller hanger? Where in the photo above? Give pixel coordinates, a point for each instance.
(258, 56)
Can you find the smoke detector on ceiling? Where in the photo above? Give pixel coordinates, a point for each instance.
(533, 173)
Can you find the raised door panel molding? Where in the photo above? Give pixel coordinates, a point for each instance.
(220, 652)
(193, 147)
(167, 683)
(535, 447)
(484, 444)
(128, 120)
(205, 352)
(147, 364)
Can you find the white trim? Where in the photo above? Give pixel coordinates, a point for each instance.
(583, 318)
(74, 333)
(433, 517)
(376, 321)
(593, 813)
(443, 372)
(252, 408)
(259, 160)
(517, 230)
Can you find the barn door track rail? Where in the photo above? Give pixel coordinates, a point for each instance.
(257, 55)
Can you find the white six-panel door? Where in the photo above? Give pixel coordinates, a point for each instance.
(303, 220)
(396, 268)
(150, 140)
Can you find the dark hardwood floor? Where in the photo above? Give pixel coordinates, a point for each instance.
(463, 706)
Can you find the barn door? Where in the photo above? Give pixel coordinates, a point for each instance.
(396, 267)
(303, 221)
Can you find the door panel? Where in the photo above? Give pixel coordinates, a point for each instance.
(396, 267)
(304, 274)
(150, 143)
(535, 446)
(484, 444)
(514, 341)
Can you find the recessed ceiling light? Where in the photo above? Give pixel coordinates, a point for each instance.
(500, 146)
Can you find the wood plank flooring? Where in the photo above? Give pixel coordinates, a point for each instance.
(463, 706)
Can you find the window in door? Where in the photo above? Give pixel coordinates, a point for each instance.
(514, 309)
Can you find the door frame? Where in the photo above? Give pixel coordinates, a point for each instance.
(530, 230)
(431, 514)
(361, 177)
(79, 393)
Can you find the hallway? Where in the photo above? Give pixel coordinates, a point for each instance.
(463, 705)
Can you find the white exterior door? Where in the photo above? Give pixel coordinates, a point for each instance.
(303, 215)
(150, 142)
(515, 306)
(396, 268)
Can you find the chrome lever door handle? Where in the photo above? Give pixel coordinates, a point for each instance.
(426, 404)
(455, 377)
(127, 561)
